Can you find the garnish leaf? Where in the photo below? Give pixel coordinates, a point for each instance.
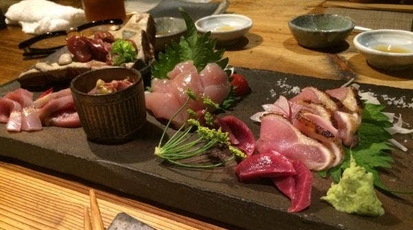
(199, 48)
(123, 51)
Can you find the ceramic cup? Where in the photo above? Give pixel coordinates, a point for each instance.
(110, 118)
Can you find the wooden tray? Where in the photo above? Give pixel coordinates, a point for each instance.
(131, 168)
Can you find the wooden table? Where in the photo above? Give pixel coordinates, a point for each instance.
(32, 198)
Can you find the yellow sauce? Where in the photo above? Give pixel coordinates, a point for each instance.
(224, 28)
(391, 49)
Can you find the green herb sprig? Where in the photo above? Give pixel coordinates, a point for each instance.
(184, 144)
(123, 51)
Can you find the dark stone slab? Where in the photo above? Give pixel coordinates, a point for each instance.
(216, 194)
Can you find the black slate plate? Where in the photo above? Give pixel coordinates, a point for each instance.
(216, 194)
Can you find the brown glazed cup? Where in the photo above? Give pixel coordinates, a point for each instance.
(111, 118)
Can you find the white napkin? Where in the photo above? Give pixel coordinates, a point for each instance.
(40, 16)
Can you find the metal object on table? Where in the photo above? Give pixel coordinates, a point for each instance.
(123, 221)
(2, 20)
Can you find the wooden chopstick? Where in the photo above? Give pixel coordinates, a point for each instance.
(87, 225)
(95, 220)
(370, 6)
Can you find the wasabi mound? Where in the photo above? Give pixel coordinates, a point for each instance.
(355, 193)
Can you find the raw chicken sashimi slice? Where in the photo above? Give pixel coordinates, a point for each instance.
(278, 134)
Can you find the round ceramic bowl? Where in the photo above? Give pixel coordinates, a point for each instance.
(226, 28)
(319, 31)
(110, 118)
(167, 30)
(386, 49)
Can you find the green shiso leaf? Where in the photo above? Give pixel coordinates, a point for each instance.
(199, 48)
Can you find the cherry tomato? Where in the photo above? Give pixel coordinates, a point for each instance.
(240, 85)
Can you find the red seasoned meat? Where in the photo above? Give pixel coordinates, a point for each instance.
(78, 46)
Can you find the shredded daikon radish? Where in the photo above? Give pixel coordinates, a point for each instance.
(398, 145)
(398, 125)
(348, 82)
(369, 97)
(396, 121)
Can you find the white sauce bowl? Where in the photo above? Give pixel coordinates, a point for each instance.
(226, 28)
(386, 49)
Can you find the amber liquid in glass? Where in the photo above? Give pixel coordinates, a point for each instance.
(104, 9)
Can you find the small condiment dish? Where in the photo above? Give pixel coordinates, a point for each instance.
(320, 31)
(167, 30)
(386, 49)
(226, 28)
(114, 117)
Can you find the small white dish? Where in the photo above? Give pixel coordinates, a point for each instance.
(168, 29)
(386, 49)
(227, 28)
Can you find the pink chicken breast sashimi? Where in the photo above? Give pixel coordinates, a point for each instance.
(21, 113)
(10, 113)
(331, 118)
(278, 134)
(314, 95)
(22, 96)
(169, 95)
(59, 112)
(322, 131)
(348, 96)
(344, 105)
(21, 118)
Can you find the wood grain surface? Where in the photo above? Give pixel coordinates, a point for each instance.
(34, 200)
(30, 199)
